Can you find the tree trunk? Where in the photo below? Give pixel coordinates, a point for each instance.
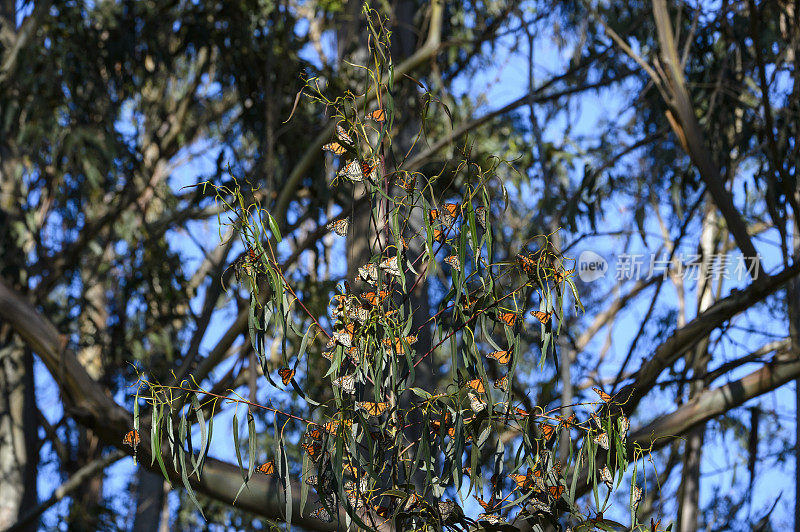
(689, 492)
(18, 427)
(18, 439)
(150, 502)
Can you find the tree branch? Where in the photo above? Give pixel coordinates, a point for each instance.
(91, 404)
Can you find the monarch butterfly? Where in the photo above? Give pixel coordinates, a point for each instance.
(503, 357)
(525, 481)
(374, 298)
(468, 300)
(453, 261)
(359, 314)
(368, 273)
(476, 404)
(543, 317)
(521, 412)
(509, 318)
(313, 450)
(398, 343)
(251, 255)
(339, 226)
(527, 264)
(438, 235)
(408, 184)
(548, 430)
(390, 266)
(345, 337)
(602, 440)
(268, 468)
(336, 147)
(131, 438)
(596, 419)
(502, 383)
(357, 171)
(377, 115)
(480, 216)
(487, 505)
(373, 409)
(448, 214)
(446, 508)
(354, 353)
(355, 501)
(436, 424)
(556, 491)
(341, 299)
(540, 507)
(286, 375)
(557, 468)
(624, 425)
(331, 426)
(572, 420)
(492, 519)
(347, 383)
(327, 352)
(322, 484)
(559, 276)
(636, 496)
(322, 514)
(606, 477)
(603, 395)
(477, 385)
(654, 525)
(313, 434)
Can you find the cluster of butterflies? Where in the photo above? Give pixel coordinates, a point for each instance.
(355, 169)
(540, 486)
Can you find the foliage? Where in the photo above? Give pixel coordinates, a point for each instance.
(382, 447)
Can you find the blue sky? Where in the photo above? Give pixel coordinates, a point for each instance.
(506, 82)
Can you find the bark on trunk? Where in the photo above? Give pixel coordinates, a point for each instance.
(689, 492)
(149, 501)
(18, 449)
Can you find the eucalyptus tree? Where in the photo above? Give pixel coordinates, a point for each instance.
(106, 108)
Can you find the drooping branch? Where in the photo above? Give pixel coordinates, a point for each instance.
(92, 405)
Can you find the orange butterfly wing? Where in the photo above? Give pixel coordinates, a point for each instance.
(268, 468)
(542, 316)
(603, 395)
(334, 147)
(547, 430)
(509, 318)
(373, 409)
(131, 438)
(286, 375)
(477, 385)
(314, 434)
(378, 115)
(451, 208)
(503, 357)
(556, 491)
